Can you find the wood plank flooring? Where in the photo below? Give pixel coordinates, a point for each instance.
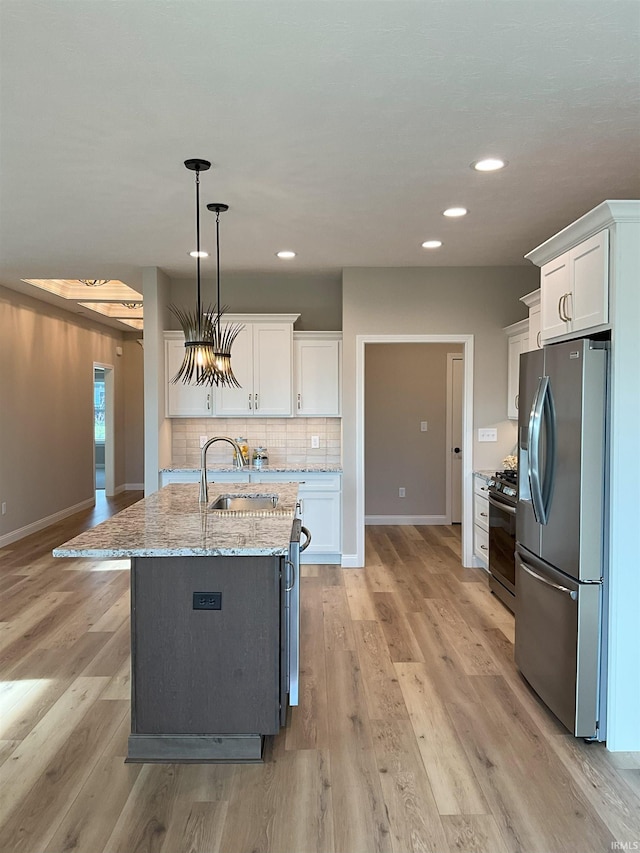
(415, 731)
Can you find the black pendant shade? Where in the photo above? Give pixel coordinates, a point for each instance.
(207, 343)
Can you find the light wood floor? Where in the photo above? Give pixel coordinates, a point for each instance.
(415, 731)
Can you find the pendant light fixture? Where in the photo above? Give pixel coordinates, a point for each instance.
(94, 282)
(223, 336)
(205, 361)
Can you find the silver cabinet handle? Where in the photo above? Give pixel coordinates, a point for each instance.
(255, 402)
(484, 488)
(560, 307)
(250, 406)
(208, 402)
(299, 402)
(484, 547)
(557, 586)
(293, 576)
(484, 515)
(539, 340)
(568, 316)
(516, 400)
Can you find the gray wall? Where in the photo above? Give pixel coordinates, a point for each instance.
(439, 301)
(404, 385)
(316, 297)
(46, 409)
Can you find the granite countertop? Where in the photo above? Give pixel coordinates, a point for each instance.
(485, 475)
(304, 467)
(170, 522)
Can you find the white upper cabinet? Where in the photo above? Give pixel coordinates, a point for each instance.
(575, 289)
(183, 401)
(532, 301)
(317, 373)
(262, 361)
(518, 335)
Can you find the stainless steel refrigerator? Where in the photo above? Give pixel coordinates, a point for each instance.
(561, 530)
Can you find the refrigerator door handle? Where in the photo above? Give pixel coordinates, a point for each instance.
(541, 483)
(535, 432)
(570, 592)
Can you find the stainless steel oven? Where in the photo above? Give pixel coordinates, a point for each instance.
(503, 494)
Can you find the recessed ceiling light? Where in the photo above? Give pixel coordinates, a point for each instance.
(199, 254)
(432, 244)
(489, 164)
(286, 254)
(455, 211)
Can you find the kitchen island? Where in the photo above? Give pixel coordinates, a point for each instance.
(209, 624)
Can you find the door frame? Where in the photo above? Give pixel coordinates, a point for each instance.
(467, 432)
(109, 428)
(451, 357)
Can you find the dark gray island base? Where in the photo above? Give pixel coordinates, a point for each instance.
(205, 683)
(213, 595)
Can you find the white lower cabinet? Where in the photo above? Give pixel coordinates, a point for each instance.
(481, 519)
(320, 498)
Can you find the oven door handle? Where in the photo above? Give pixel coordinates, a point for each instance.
(500, 505)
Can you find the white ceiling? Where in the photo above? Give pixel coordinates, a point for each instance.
(338, 129)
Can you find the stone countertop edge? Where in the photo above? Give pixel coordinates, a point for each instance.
(486, 475)
(308, 468)
(171, 523)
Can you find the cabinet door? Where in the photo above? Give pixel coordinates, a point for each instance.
(589, 264)
(183, 401)
(317, 378)
(517, 345)
(555, 285)
(535, 332)
(238, 402)
(272, 369)
(321, 514)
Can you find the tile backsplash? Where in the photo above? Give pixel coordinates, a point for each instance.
(288, 440)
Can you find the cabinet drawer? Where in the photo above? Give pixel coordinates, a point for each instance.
(308, 482)
(481, 512)
(481, 543)
(480, 487)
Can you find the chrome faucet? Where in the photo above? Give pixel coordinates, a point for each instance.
(203, 498)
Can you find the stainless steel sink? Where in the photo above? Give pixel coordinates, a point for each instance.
(244, 503)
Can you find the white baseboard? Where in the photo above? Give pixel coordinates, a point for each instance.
(320, 559)
(405, 519)
(351, 561)
(35, 526)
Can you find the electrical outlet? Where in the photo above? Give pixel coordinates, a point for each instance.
(401, 492)
(203, 440)
(423, 426)
(315, 441)
(487, 435)
(207, 601)
(4, 507)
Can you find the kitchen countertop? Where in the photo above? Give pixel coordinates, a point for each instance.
(170, 523)
(485, 475)
(303, 467)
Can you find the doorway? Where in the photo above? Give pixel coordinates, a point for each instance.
(408, 423)
(103, 430)
(455, 386)
(466, 341)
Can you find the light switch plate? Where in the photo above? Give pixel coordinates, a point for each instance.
(487, 435)
(423, 426)
(315, 441)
